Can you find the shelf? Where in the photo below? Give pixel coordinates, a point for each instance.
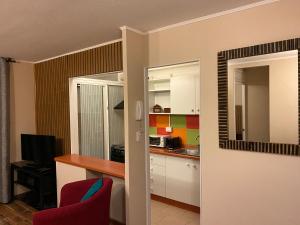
(161, 90)
(159, 80)
(152, 113)
(190, 114)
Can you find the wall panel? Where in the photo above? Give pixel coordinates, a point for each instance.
(52, 87)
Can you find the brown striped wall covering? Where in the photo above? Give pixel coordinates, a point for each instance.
(223, 57)
(52, 87)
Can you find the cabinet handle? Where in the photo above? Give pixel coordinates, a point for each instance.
(188, 165)
(195, 166)
(198, 110)
(193, 110)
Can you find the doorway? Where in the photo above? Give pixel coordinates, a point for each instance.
(96, 122)
(172, 105)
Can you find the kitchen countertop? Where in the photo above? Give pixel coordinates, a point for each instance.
(165, 151)
(107, 167)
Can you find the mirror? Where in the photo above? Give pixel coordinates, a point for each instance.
(263, 98)
(258, 98)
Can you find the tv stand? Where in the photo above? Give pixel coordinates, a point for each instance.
(40, 181)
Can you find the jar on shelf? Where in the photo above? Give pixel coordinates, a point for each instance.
(157, 109)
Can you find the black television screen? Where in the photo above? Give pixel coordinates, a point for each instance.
(40, 149)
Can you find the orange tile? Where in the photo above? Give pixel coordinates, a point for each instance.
(162, 120)
(180, 132)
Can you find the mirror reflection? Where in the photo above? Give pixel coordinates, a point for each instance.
(263, 98)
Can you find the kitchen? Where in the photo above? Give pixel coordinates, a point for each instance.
(174, 108)
(174, 115)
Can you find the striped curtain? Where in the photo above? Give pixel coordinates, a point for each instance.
(4, 131)
(91, 122)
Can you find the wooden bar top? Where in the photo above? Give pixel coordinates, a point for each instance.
(107, 167)
(164, 151)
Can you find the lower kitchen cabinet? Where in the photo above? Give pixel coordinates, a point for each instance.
(175, 178)
(158, 175)
(183, 180)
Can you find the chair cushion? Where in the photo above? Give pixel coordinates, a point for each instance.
(92, 190)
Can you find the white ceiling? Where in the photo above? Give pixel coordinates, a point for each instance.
(33, 30)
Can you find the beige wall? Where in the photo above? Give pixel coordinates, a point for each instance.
(257, 104)
(238, 188)
(283, 88)
(284, 101)
(134, 62)
(22, 105)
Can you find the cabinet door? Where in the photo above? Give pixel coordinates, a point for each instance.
(158, 175)
(183, 93)
(195, 188)
(158, 180)
(183, 180)
(197, 98)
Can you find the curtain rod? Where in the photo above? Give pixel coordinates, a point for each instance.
(10, 60)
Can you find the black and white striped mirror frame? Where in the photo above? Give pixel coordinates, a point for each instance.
(223, 57)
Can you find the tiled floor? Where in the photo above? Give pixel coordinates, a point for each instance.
(163, 214)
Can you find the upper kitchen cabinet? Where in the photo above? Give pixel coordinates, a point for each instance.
(197, 98)
(183, 93)
(175, 89)
(159, 90)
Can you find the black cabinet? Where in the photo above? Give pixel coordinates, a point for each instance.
(41, 183)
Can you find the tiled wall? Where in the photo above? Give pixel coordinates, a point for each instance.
(184, 126)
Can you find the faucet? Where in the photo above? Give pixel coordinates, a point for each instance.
(197, 139)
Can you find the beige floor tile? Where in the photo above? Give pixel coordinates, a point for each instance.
(163, 214)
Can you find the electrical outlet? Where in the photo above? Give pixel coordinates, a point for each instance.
(169, 129)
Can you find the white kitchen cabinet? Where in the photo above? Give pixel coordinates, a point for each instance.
(183, 180)
(175, 178)
(176, 87)
(158, 175)
(183, 96)
(197, 91)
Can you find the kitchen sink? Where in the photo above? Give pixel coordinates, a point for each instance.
(192, 152)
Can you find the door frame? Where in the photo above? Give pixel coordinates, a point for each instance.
(73, 95)
(146, 132)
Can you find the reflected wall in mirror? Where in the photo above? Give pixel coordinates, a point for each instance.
(259, 98)
(263, 98)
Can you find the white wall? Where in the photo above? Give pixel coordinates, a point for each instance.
(238, 188)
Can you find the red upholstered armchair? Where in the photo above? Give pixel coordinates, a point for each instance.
(94, 211)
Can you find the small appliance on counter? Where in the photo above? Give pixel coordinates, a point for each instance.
(173, 143)
(158, 140)
(117, 153)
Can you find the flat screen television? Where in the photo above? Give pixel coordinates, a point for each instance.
(39, 149)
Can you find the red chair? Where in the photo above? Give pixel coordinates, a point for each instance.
(94, 211)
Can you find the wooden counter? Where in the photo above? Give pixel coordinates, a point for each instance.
(107, 167)
(164, 151)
